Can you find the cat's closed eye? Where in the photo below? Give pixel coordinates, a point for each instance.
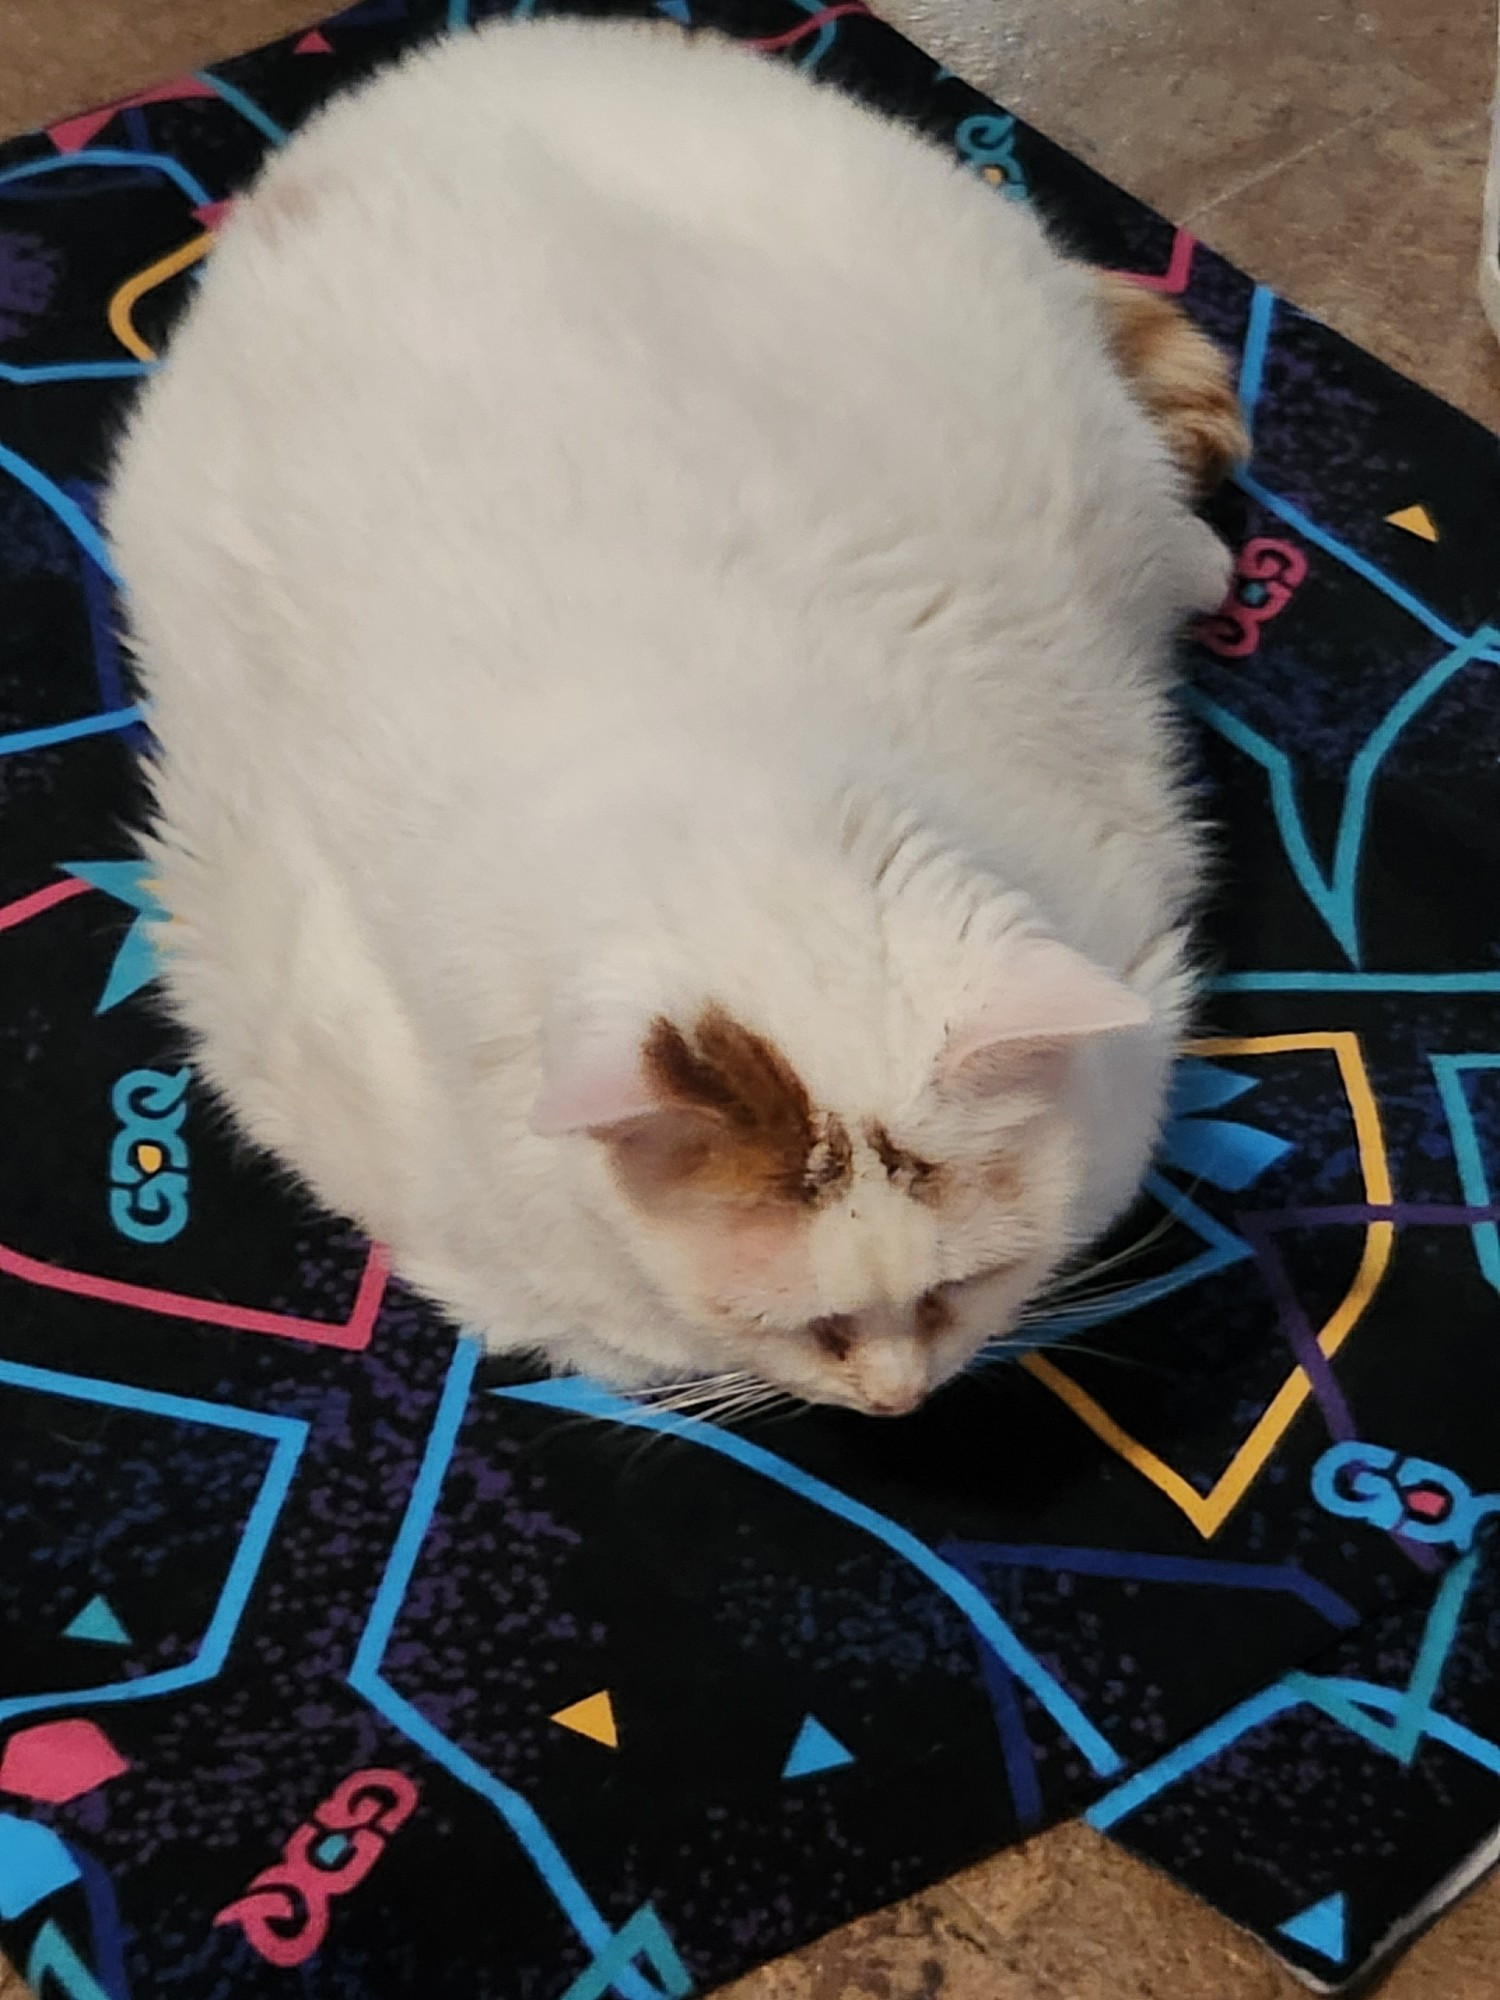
(934, 1314)
(834, 1333)
(837, 1334)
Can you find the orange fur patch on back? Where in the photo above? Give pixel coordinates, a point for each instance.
(1178, 376)
(747, 1132)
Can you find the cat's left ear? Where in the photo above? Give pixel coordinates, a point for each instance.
(1043, 1001)
(593, 1080)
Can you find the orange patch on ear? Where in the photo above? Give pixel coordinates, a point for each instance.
(738, 1124)
(1178, 376)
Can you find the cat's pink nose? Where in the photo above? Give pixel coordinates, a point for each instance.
(893, 1404)
(890, 1373)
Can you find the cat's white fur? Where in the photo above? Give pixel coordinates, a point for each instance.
(620, 529)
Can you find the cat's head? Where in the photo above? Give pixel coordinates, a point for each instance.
(848, 1216)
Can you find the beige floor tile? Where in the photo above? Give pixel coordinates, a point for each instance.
(1065, 1917)
(1447, 43)
(61, 56)
(1377, 231)
(1071, 1917)
(1459, 1959)
(1334, 148)
(1181, 101)
(933, 1945)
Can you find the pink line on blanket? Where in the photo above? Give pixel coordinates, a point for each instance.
(810, 26)
(1179, 264)
(352, 1334)
(41, 899)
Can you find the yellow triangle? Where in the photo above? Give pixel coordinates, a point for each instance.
(592, 1717)
(1416, 521)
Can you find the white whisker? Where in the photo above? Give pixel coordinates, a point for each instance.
(1048, 1309)
(1070, 1280)
(684, 1397)
(748, 1402)
(689, 1382)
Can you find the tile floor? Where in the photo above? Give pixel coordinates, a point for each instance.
(1335, 148)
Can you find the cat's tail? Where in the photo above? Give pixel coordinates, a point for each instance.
(1181, 379)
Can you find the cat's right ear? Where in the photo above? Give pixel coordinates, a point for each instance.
(1044, 1001)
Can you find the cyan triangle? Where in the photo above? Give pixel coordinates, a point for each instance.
(1321, 1927)
(816, 1749)
(1203, 1086)
(34, 1864)
(135, 963)
(1222, 1151)
(97, 1622)
(135, 966)
(127, 881)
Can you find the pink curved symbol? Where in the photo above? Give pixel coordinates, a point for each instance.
(808, 27)
(282, 1921)
(362, 1848)
(1275, 568)
(375, 1797)
(284, 1910)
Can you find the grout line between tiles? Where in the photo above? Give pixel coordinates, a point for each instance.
(1258, 175)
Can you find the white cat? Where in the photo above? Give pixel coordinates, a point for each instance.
(656, 596)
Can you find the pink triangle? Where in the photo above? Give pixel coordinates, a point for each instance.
(57, 1761)
(313, 43)
(69, 135)
(212, 213)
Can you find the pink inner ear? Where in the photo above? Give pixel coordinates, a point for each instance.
(1045, 998)
(590, 1083)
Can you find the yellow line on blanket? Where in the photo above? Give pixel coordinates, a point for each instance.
(125, 300)
(1209, 1511)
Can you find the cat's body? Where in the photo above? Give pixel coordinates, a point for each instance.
(652, 591)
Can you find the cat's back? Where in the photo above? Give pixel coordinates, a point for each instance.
(574, 404)
(613, 293)
(571, 374)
